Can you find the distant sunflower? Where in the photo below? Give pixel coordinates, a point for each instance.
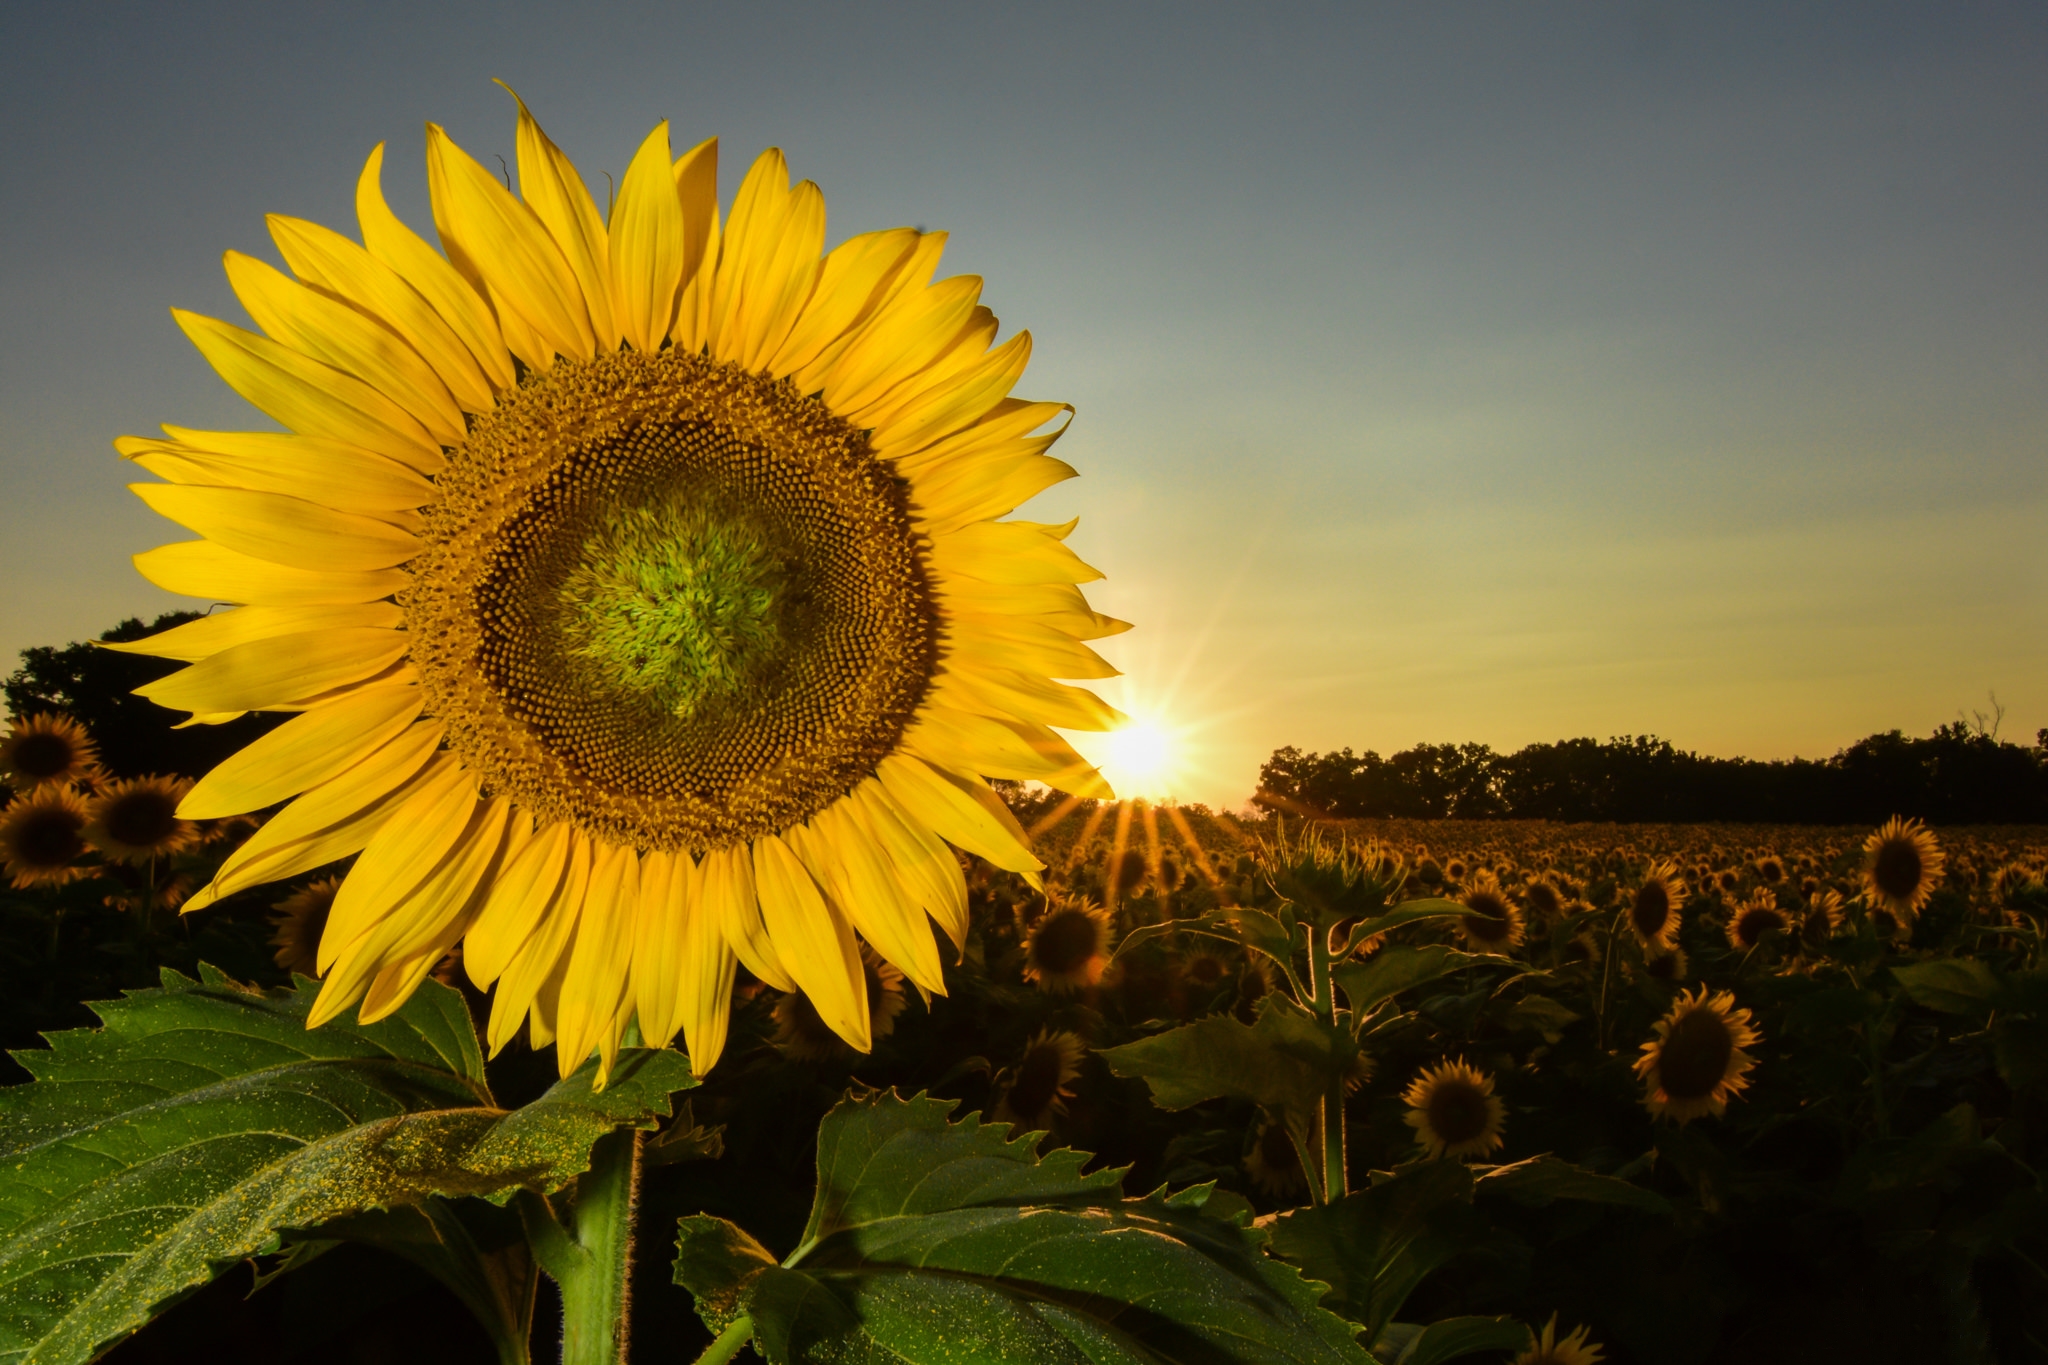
(1902, 865)
(1428, 871)
(1669, 965)
(2012, 883)
(42, 837)
(1770, 869)
(1491, 923)
(1129, 872)
(48, 749)
(297, 924)
(1574, 1349)
(1039, 1085)
(1455, 869)
(135, 819)
(1653, 909)
(1696, 1062)
(1274, 1163)
(1544, 901)
(1728, 879)
(1755, 919)
(1206, 970)
(1820, 919)
(1068, 947)
(1454, 1112)
(641, 583)
(804, 1036)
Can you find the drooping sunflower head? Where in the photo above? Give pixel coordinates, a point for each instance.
(46, 749)
(1755, 920)
(1574, 1348)
(1492, 922)
(42, 837)
(1653, 910)
(298, 921)
(1544, 901)
(1696, 1062)
(642, 583)
(1042, 1081)
(134, 820)
(1068, 947)
(1454, 1112)
(1274, 1162)
(1821, 918)
(1902, 864)
(1669, 965)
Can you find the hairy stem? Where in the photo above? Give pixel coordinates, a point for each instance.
(728, 1344)
(1334, 1180)
(592, 1261)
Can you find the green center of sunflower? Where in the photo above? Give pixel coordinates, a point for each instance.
(680, 603)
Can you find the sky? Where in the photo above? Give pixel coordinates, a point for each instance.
(1498, 373)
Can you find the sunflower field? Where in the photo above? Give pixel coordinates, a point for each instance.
(1629, 1093)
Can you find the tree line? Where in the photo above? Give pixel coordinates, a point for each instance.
(1961, 774)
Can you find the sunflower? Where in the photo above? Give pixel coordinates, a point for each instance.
(1428, 871)
(1696, 1061)
(1901, 865)
(1755, 919)
(1038, 1090)
(1820, 919)
(1274, 1163)
(136, 819)
(1545, 903)
(1574, 1349)
(1653, 909)
(1770, 869)
(1668, 965)
(804, 1036)
(1454, 1112)
(1491, 923)
(298, 921)
(48, 749)
(641, 587)
(1068, 947)
(42, 837)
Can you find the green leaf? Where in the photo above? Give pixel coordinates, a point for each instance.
(1543, 1180)
(1953, 985)
(935, 1241)
(1254, 930)
(1284, 1060)
(1394, 969)
(1407, 913)
(1454, 1337)
(204, 1118)
(1374, 1246)
(1539, 1014)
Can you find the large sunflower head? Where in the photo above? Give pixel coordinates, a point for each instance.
(48, 749)
(135, 820)
(641, 584)
(1696, 1060)
(42, 837)
(1902, 865)
(1454, 1112)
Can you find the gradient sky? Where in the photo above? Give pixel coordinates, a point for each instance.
(1459, 372)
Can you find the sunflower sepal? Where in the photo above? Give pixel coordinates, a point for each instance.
(933, 1236)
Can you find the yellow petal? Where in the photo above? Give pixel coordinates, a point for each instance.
(600, 960)
(1009, 552)
(329, 261)
(278, 671)
(692, 331)
(405, 853)
(518, 899)
(961, 810)
(922, 861)
(340, 476)
(1009, 748)
(329, 330)
(451, 297)
(209, 635)
(657, 934)
(1018, 643)
(312, 398)
(280, 528)
(768, 261)
(549, 184)
(333, 819)
(951, 402)
(647, 245)
(998, 431)
(200, 568)
(995, 488)
(544, 959)
(813, 941)
(304, 752)
(841, 856)
(954, 360)
(414, 931)
(850, 286)
(494, 238)
(906, 335)
(683, 969)
(1026, 696)
(730, 895)
(1059, 605)
(705, 987)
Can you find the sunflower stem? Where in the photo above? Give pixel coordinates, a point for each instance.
(593, 1271)
(737, 1334)
(1333, 1180)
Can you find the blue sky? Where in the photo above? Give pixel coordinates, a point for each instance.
(1495, 372)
